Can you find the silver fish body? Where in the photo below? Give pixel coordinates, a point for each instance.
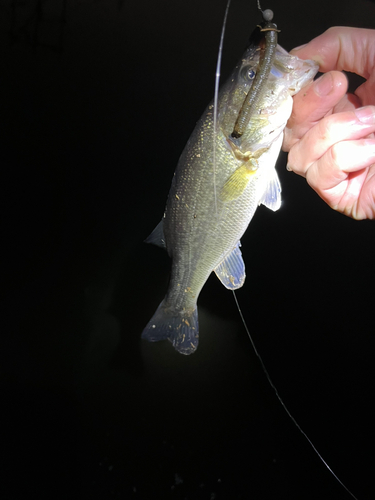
(214, 195)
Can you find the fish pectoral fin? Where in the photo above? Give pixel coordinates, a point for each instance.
(272, 195)
(231, 271)
(157, 236)
(238, 181)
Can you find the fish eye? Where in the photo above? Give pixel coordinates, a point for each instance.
(248, 73)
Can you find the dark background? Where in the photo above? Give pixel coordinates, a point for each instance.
(97, 100)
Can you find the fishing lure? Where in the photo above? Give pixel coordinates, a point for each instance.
(269, 44)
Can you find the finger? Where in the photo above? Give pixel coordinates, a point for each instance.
(337, 127)
(335, 165)
(344, 177)
(342, 48)
(349, 102)
(312, 104)
(366, 91)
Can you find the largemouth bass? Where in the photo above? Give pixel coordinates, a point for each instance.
(219, 182)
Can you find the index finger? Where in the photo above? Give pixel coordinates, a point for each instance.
(313, 103)
(342, 48)
(333, 129)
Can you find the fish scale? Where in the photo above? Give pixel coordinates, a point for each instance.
(210, 205)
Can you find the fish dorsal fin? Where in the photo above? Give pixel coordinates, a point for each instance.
(157, 236)
(272, 195)
(231, 271)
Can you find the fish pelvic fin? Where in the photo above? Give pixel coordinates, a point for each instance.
(179, 327)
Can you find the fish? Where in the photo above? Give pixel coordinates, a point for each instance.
(220, 180)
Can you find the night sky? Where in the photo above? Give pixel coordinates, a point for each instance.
(97, 100)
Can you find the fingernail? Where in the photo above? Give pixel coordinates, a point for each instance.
(299, 47)
(288, 167)
(324, 85)
(366, 114)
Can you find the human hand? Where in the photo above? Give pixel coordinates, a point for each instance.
(330, 134)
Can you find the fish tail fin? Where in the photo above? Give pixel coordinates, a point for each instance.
(179, 327)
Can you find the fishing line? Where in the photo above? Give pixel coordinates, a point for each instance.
(216, 97)
(282, 402)
(215, 120)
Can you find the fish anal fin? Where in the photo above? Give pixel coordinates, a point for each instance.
(231, 271)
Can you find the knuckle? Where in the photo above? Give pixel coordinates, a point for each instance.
(324, 129)
(333, 30)
(286, 141)
(289, 140)
(335, 154)
(293, 160)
